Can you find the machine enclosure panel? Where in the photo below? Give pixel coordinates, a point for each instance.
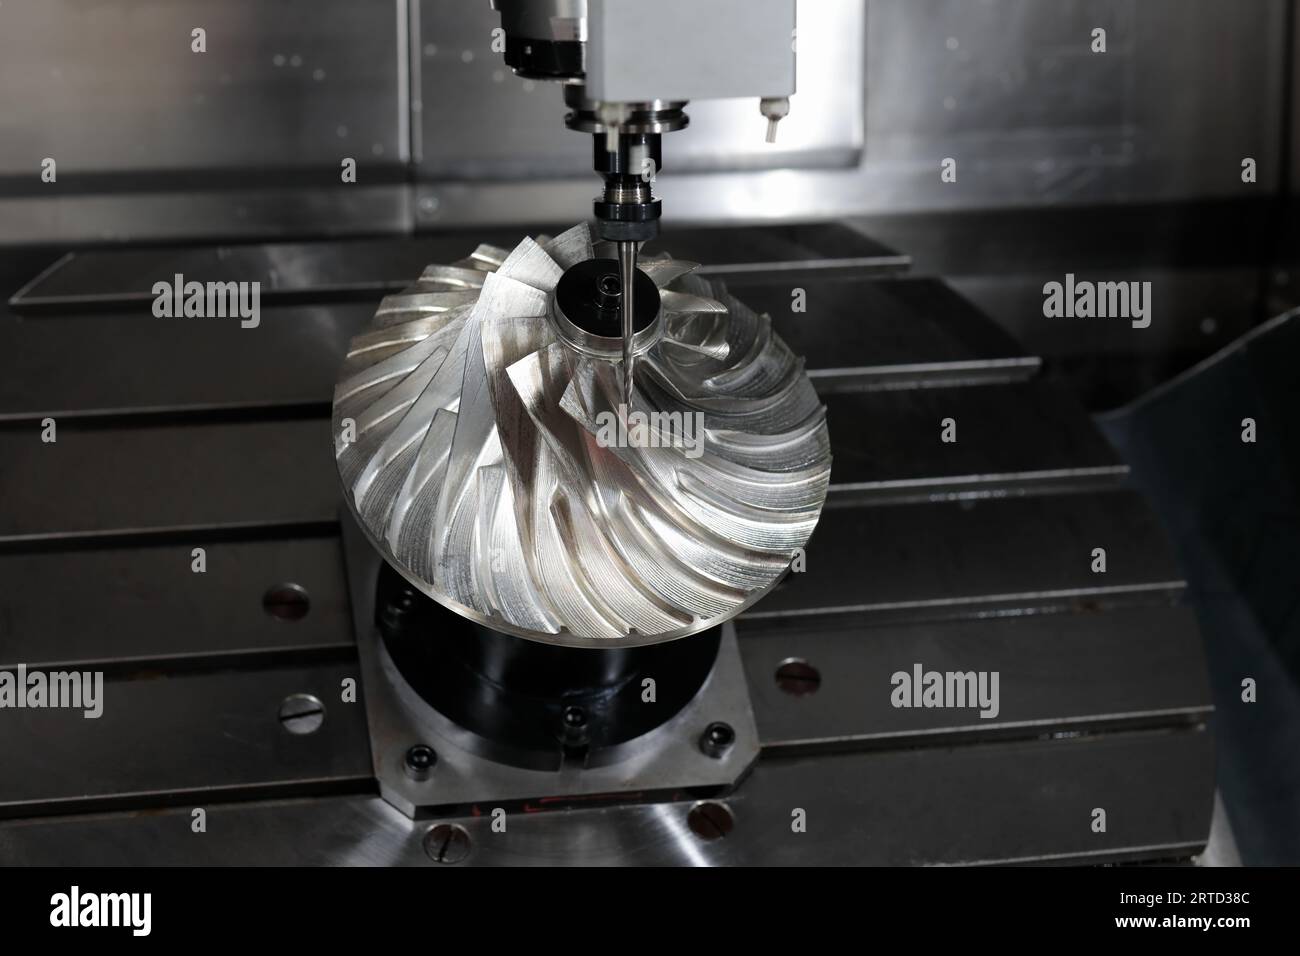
(640, 51)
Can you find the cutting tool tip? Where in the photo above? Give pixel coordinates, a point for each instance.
(627, 270)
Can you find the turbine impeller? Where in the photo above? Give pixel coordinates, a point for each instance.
(486, 449)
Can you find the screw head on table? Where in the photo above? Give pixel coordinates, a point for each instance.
(447, 843)
(717, 739)
(420, 760)
(301, 714)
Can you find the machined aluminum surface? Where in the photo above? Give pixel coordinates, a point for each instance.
(498, 470)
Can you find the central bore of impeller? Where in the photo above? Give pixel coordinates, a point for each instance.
(609, 292)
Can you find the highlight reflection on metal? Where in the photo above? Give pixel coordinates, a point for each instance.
(497, 469)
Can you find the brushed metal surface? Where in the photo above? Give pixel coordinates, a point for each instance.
(114, 87)
(1163, 681)
(982, 556)
(161, 476)
(1016, 802)
(163, 735)
(143, 602)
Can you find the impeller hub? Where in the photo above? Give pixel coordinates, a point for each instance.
(586, 310)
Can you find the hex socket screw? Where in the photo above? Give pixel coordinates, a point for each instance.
(419, 761)
(717, 739)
